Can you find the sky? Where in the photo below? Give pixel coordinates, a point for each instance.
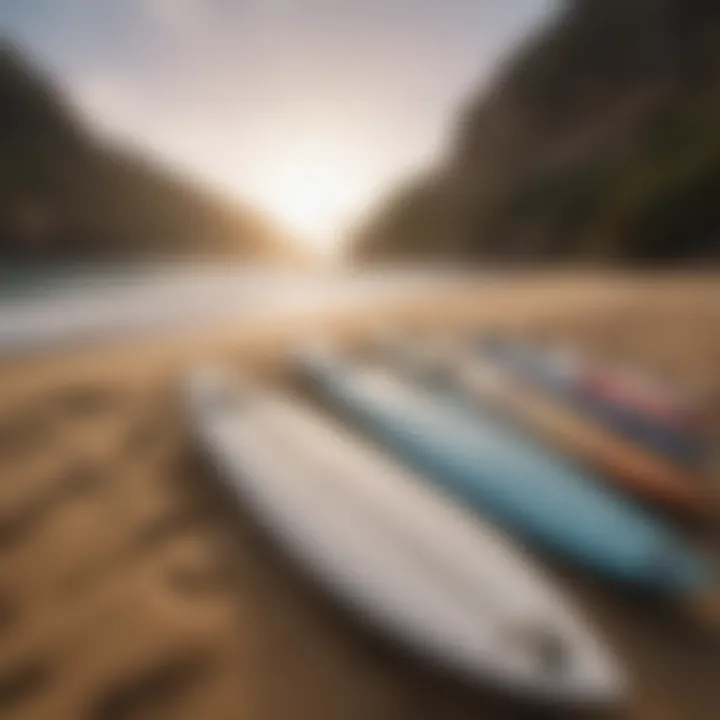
(308, 109)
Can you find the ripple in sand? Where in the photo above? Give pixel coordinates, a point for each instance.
(23, 683)
(75, 483)
(146, 694)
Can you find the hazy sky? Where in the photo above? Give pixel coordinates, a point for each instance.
(308, 108)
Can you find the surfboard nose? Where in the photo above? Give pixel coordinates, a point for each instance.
(570, 665)
(602, 684)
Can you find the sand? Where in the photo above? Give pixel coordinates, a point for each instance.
(130, 587)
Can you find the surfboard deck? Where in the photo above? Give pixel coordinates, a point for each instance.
(407, 558)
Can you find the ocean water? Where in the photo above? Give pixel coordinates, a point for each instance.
(20, 282)
(43, 306)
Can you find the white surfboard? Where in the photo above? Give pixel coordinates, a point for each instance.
(407, 558)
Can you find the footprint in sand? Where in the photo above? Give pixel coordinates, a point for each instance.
(149, 437)
(206, 575)
(157, 533)
(23, 683)
(23, 431)
(9, 613)
(76, 482)
(148, 693)
(85, 401)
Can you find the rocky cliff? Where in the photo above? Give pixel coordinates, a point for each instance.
(597, 140)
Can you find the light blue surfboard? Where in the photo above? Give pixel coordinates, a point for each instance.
(523, 487)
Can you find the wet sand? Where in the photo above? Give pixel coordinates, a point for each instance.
(130, 587)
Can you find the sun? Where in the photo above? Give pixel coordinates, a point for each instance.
(313, 189)
(315, 182)
(312, 200)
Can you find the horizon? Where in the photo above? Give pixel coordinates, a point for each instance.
(308, 110)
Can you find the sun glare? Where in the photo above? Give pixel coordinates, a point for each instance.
(314, 189)
(311, 201)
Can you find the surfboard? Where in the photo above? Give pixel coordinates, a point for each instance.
(407, 558)
(524, 487)
(630, 388)
(562, 376)
(624, 463)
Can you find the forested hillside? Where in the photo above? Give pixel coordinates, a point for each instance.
(597, 140)
(66, 194)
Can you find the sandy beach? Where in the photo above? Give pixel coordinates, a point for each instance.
(130, 587)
